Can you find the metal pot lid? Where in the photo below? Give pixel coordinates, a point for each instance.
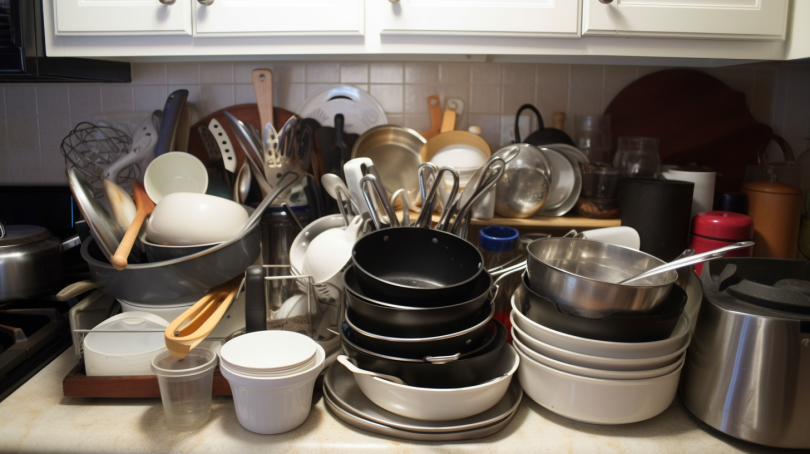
(17, 235)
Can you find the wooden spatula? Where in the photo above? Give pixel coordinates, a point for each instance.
(144, 206)
(196, 323)
(435, 108)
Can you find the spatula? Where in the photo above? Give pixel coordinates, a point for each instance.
(144, 207)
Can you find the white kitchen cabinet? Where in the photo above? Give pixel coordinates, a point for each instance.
(520, 18)
(279, 18)
(121, 17)
(714, 19)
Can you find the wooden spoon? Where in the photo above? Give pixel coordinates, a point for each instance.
(145, 207)
(435, 109)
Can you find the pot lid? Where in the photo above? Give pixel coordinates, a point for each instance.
(269, 351)
(723, 225)
(16, 235)
(770, 187)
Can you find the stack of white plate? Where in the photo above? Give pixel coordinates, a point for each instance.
(272, 375)
(596, 381)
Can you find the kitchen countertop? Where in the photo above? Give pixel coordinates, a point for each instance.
(37, 418)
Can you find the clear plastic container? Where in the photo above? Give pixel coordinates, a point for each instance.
(185, 387)
(637, 157)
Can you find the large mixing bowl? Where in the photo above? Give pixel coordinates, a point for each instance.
(581, 276)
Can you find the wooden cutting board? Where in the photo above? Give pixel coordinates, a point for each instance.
(248, 113)
(696, 117)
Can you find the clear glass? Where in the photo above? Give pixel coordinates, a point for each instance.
(638, 157)
(592, 136)
(185, 387)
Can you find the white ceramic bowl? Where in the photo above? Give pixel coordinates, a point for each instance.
(597, 362)
(274, 405)
(124, 353)
(595, 400)
(428, 404)
(597, 373)
(625, 350)
(175, 172)
(186, 219)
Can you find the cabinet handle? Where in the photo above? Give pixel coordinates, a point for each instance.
(206, 2)
(605, 1)
(168, 2)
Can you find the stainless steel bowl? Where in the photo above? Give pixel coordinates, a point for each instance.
(524, 186)
(581, 275)
(395, 153)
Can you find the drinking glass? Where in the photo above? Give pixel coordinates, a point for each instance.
(592, 136)
(638, 157)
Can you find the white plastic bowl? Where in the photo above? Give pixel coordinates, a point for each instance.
(626, 350)
(597, 373)
(597, 362)
(594, 400)
(273, 405)
(272, 353)
(175, 172)
(186, 219)
(428, 404)
(124, 353)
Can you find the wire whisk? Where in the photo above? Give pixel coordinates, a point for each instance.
(92, 148)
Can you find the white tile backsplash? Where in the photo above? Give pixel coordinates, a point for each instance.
(35, 117)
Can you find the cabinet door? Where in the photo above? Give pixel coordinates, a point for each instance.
(121, 17)
(279, 18)
(723, 19)
(481, 17)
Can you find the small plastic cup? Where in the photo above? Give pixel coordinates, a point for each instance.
(185, 387)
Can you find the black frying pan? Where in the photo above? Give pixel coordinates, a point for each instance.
(543, 136)
(402, 264)
(402, 321)
(464, 372)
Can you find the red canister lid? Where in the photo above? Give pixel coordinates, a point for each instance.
(723, 225)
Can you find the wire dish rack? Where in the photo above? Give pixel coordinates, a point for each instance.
(87, 314)
(92, 148)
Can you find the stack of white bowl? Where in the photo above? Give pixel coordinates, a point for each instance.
(272, 375)
(596, 381)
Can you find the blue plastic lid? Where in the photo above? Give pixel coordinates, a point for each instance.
(497, 238)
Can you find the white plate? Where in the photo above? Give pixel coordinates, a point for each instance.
(360, 110)
(566, 182)
(268, 351)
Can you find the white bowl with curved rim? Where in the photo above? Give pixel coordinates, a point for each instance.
(188, 219)
(429, 404)
(592, 347)
(597, 400)
(597, 373)
(597, 362)
(175, 172)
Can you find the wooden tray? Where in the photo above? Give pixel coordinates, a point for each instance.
(78, 384)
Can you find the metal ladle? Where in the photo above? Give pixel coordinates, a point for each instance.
(691, 260)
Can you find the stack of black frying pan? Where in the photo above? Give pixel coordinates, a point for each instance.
(419, 307)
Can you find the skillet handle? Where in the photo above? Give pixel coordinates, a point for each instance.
(255, 307)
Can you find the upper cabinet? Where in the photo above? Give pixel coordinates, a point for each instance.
(121, 17)
(278, 17)
(522, 18)
(724, 19)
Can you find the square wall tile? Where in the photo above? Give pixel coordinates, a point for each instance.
(53, 167)
(386, 73)
(216, 73)
(416, 98)
(619, 76)
(485, 73)
(311, 89)
(5, 168)
(214, 97)
(242, 71)
(553, 76)
(4, 135)
(320, 73)
(550, 101)
(117, 98)
(245, 94)
(454, 73)
(289, 73)
(23, 132)
(485, 99)
(585, 101)
(421, 73)
(390, 97)
(183, 73)
(21, 100)
(85, 100)
(52, 100)
(289, 97)
(586, 76)
(148, 73)
(417, 122)
(26, 166)
(151, 97)
(395, 119)
(490, 129)
(515, 96)
(50, 137)
(354, 73)
(519, 74)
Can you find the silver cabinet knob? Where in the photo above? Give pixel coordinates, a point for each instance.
(206, 2)
(168, 2)
(605, 1)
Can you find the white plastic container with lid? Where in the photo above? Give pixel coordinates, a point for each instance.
(127, 346)
(272, 376)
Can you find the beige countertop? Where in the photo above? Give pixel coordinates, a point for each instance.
(37, 418)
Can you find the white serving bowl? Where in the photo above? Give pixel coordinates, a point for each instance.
(186, 219)
(273, 405)
(124, 353)
(596, 400)
(597, 373)
(428, 404)
(625, 350)
(597, 362)
(175, 172)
